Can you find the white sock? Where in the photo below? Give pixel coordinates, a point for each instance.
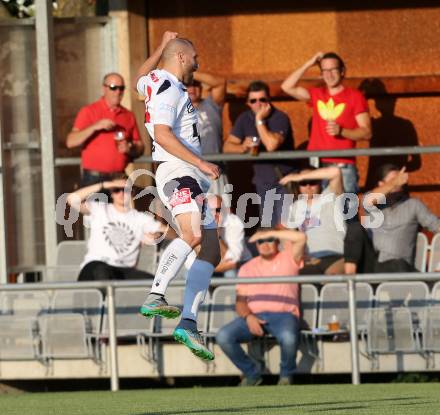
(169, 264)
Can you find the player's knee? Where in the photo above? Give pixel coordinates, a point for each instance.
(210, 253)
(192, 240)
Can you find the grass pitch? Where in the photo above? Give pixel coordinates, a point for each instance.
(374, 399)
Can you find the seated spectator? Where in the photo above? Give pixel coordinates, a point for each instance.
(272, 128)
(233, 247)
(107, 134)
(319, 214)
(116, 232)
(267, 308)
(209, 116)
(394, 242)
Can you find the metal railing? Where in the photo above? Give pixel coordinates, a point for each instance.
(215, 282)
(288, 155)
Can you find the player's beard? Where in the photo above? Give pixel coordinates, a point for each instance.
(188, 78)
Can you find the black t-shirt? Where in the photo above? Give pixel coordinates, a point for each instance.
(278, 122)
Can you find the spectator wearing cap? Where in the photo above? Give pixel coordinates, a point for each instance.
(107, 134)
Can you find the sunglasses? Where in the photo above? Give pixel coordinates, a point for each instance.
(218, 210)
(254, 100)
(115, 87)
(262, 241)
(309, 182)
(116, 189)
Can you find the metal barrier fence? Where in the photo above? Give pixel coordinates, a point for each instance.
(349, 280)
(289, 155)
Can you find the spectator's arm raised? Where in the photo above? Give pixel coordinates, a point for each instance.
(153, 60)
(215, 85)
(386, 187)
(290, 85)
(332, 174)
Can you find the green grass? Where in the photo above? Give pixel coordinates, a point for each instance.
(374, 399)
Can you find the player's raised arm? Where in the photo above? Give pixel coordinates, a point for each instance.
(154, 59)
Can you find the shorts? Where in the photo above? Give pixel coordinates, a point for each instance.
(182, 188)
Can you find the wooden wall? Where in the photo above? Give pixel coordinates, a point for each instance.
(251, 40)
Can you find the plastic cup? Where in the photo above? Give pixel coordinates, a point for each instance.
(255, 149)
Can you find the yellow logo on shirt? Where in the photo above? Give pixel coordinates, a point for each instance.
(328, 111)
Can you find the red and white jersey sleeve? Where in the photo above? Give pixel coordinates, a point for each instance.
(167, 102)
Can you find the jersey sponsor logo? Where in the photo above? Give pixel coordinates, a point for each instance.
(190, 106)
(180, 197)
(154, 77)
(166, 84)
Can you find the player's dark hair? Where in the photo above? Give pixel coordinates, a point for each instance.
(256, 86)
(333, 55)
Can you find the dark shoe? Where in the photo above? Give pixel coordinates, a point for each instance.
(251, 381)
(285, 380)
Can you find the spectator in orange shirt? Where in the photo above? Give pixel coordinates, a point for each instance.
(267, 308)
(107, 133)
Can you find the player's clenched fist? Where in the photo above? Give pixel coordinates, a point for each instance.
(210, 169)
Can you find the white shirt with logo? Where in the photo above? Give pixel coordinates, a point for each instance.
(167, 102)
(116, 237)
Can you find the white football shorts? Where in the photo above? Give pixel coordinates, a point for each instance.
(182, 188)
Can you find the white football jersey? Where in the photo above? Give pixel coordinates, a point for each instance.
(167, 102)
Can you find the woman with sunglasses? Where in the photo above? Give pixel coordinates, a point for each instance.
(116, 231)
(319, 213)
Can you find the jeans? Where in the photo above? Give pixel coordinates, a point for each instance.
(283, 326)
(271, 217)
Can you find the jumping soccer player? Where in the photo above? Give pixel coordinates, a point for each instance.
(182, 178)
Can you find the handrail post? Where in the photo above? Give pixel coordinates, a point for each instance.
(355, 375)
(114, 372)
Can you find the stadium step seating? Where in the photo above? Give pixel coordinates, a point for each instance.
(402, 317)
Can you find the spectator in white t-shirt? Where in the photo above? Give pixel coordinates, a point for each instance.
(116, 232)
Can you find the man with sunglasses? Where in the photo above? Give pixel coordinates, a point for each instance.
(107, 134)
(182, 179)
(267, 308)
(319, 214)
(273, 128)
(340, 114)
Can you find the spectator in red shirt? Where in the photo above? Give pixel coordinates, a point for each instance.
(107, 133)
(340, 114)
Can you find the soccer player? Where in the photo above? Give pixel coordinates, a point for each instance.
(182, 178)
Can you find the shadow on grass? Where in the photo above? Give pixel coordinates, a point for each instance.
(342, 406)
